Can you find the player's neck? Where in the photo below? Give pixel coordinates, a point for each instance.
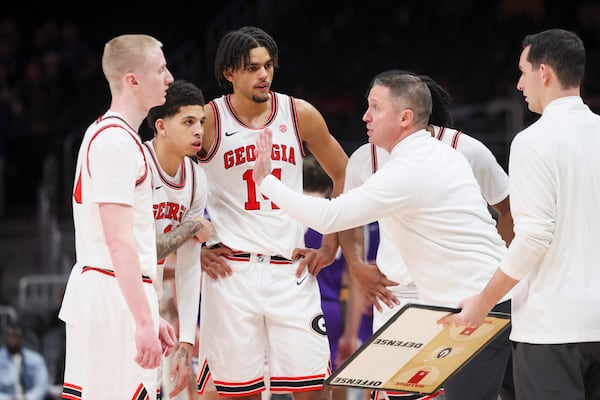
(131, 112)
(254, 114)
(169, 161)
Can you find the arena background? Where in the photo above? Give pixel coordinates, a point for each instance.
(51, 87)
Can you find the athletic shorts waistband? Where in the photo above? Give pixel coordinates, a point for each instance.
(110, 272)
(259, 258)
(247, 256)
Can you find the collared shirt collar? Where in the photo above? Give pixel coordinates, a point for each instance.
(564, 102)
(410, 139)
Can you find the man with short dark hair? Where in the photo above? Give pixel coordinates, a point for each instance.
(553, 261)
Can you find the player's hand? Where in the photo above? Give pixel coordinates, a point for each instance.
(311, 260)
(167, 336)
(213, 264)
(262, 166)
(181, 368)
(374, 285)
(205, 232)
(472, 314)
(347, 345)
(148, 346)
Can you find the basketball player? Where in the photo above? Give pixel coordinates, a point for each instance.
(368, 158)
(180, 191)
(115, 338)
(270, 302)
(428, 199)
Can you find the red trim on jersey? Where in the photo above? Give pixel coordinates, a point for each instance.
(440, 134)
(294, 114)
(193, 182)
(234, 114)
(297, 383)
(217, 139)
(229, 108)
(77, 192)
(164, 179)
(141, 393)
(71, 392)
(203, 378)
(454, 143)
(455, 138)
(111, 273)
(133, 135)
(136, 137)
(238, 389)
(374, 159)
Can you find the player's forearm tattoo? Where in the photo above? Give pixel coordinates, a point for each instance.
(167, 243)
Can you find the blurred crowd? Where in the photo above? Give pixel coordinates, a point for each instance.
(51, 83)
(48, 81)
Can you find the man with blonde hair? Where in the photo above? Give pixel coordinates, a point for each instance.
(114, 337)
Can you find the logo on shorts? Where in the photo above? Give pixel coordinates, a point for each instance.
(299, 281)
(318, 325)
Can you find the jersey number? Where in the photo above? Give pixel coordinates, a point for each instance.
(252, 203)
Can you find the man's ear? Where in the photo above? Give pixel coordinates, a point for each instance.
(407, 117)
(131, 79)
(228, 74)
(159, 127)
(547, 73)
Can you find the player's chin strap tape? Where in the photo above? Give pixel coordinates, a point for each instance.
(109, 272)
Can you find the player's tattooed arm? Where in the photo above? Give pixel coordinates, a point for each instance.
(167, 243)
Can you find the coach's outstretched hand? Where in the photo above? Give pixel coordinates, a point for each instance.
(263, 156)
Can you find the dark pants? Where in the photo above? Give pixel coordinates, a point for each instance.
(507, 392)
(557, 371)
(481, 378)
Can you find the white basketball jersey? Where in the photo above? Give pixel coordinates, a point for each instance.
(177, 198)
(244, 219)
(492, 179)
(112, 168)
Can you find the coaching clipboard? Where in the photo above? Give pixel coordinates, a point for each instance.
(412, 353)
